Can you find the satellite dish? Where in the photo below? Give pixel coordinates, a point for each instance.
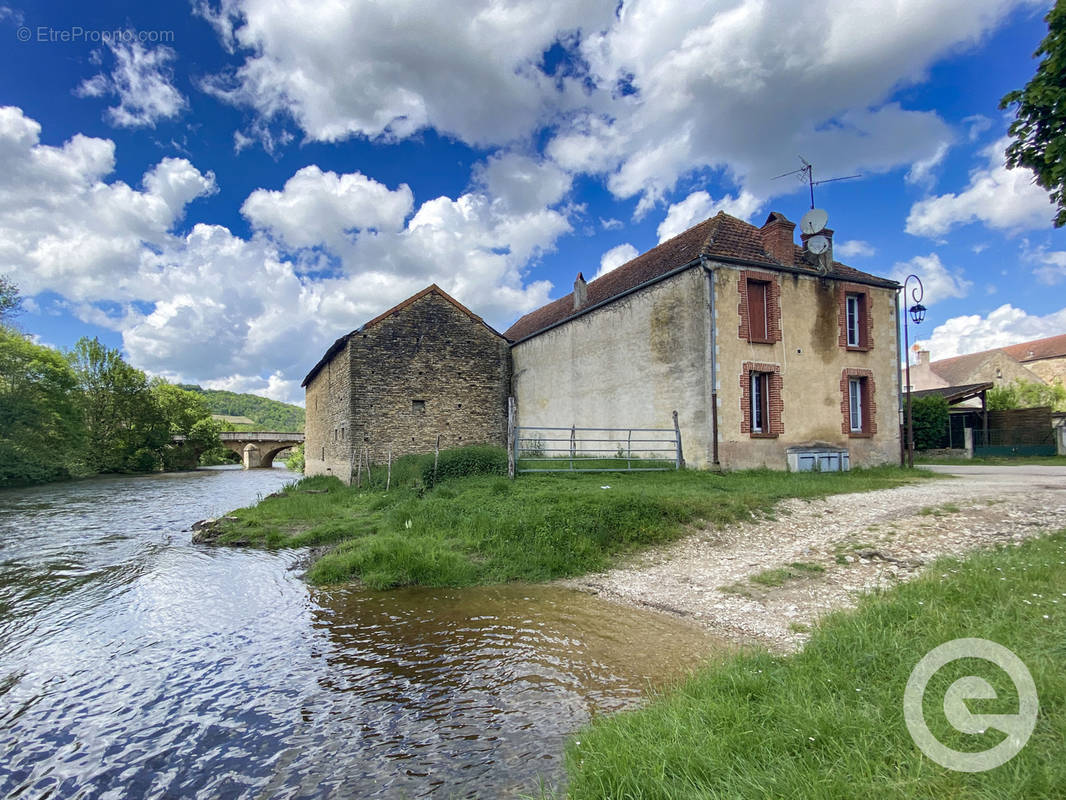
(817, 245)
(813, 221)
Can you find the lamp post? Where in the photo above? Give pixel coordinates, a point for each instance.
(917, 313)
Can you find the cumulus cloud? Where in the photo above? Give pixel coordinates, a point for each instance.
(467, 68)
(522, 184)
(206, 305)
(1050, 265)
(1000, 198)
(698, 206)
(854, 248)
(1004, 326)
(142, 79)
(616, 257)
(939, 282)
(921, 172)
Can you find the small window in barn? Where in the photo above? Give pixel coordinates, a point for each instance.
(342, 434)
(459, 405)
(418, 406)
(323, 454)
(758, 312)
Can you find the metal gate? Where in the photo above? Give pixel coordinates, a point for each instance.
(573, 449)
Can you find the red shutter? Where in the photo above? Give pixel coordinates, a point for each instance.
(757, 311)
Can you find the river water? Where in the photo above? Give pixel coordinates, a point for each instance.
(136, 664)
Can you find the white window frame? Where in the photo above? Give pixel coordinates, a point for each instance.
(853, 322)
(855, 409)
(758, 424)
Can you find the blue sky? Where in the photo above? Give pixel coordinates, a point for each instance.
(223, 188)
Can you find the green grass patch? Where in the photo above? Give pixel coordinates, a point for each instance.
(781, 575)
(1009, 461)
(483, 528)
(827, 722)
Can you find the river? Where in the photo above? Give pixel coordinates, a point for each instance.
(136, 664)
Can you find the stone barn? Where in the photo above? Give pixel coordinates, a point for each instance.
(428, 366)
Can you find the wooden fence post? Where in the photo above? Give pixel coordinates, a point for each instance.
(388, 472)
(359, 471)
(436, 457)
(680, 453)
(512, 443)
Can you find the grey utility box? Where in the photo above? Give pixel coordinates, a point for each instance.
(817, 459)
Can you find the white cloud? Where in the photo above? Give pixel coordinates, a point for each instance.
(854, 248)
(522, 184)
(921, 172)
(466, 68)
(698, 206)
(1001, 198)
(142, 79)
(939, 282)
(1006, 325)
(616, 257)
(611, 224)
(213, 307)
(1051, 265)
(317, 207)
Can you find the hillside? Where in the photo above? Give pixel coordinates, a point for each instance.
(267, 414)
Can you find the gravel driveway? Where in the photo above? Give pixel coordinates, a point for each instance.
(858, 541)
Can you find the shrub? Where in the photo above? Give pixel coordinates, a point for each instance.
(463, 461)
(930, 422)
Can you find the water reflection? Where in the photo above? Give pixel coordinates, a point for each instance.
(133, 663)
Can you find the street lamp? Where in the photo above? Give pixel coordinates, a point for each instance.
(917, 313)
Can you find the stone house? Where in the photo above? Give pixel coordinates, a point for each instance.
(730, 325)
(759, 350)
(427, 367)
(1041, 361)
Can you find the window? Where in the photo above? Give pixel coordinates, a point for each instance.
(757, 311)
(855, 319)
(759, 393)
(856, 390)
(856, 327)
(418, 406)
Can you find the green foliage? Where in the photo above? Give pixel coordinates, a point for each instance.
(295, 461)
(187, 415)
(930, 416)
(41, 429)
(1039, 128)
(269, 415)
(828, 721)
(485, 528)
(10, 301)
(1027, 394)
(461, 462)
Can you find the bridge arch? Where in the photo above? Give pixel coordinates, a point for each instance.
(258, 449)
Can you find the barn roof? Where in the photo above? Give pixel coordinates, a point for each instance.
(1051, 347)
(338, 345)
(720, 237)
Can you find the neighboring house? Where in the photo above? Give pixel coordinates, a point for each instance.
(424, 368)
(1042, 360)
(727, 323)
(724, 317)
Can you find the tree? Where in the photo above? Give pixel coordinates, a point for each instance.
(1027, 394)
(1039, 128)
(126, 431)
(41, 432)
(187, 415)
(10, 301)
(931, 419)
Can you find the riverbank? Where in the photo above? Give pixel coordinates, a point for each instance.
(827, 721)
(769, 579)
(487, 529)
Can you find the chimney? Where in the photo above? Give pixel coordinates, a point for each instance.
(923, 358)
(581, 292)
(777, 238)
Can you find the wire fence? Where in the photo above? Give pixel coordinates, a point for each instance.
(573, 449)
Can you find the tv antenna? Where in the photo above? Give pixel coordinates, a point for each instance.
(807, 170)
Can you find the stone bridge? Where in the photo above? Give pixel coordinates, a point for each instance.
(258, 448)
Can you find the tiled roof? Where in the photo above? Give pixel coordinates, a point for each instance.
(957, 369)
(432, 288)
(1051, 347)
(721, 236)
(955, 394)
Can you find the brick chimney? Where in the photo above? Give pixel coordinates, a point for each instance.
(581, 292)
(777, 238)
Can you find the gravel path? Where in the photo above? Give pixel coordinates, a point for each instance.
(861, 541)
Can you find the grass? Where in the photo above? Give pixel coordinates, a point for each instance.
(939, 511)
(827, 722)
(487, 529)
(1015, 461)
(781, 575)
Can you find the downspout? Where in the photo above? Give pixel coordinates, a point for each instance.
(712, 346)
(899, 383)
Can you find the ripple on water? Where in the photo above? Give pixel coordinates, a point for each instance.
(137, 664)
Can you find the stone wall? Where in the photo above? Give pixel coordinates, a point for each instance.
(428, 368)
(328, 441)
